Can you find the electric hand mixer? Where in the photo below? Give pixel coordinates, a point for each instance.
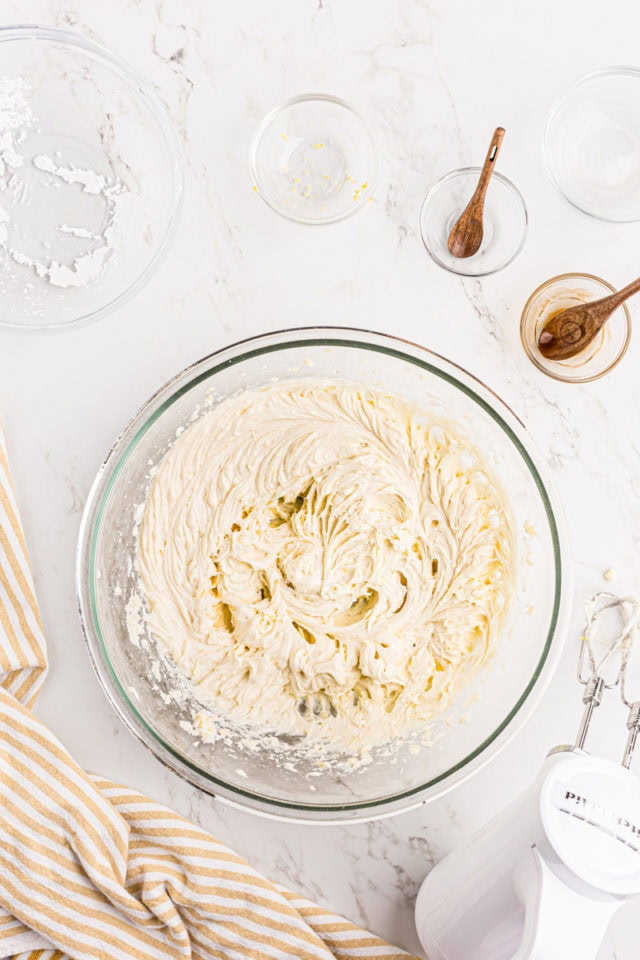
(543, 879)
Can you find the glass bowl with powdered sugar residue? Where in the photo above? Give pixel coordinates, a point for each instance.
(90, 180)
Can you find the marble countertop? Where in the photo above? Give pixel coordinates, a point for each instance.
(434, 79)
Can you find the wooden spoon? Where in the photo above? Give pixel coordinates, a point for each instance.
(466, 235)
(569, 331)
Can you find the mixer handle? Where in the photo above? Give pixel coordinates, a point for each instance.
(559, 921)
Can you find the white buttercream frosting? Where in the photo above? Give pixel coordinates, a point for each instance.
(323, 559)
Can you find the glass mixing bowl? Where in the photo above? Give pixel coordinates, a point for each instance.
(489, 710)
(504, 221)
(313, 159)
(604, 352)
(592, 144)
(90, 180)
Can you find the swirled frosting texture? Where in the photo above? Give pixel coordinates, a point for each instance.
(323, 559)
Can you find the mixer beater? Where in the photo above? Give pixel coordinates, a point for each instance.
(604, 665)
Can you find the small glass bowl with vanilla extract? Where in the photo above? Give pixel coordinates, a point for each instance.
(600, 356)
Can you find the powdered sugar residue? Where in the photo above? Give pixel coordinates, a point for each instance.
(89, 180)
(15, 119)
(62, 269)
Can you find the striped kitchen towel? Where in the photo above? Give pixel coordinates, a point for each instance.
(90, 869)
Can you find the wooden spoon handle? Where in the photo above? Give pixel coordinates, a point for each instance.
(615, 299)
(489, 163)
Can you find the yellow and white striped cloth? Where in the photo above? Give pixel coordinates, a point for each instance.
(90, 869)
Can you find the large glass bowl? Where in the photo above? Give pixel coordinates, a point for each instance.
(472, 732)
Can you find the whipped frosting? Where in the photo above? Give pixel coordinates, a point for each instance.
(325, 560)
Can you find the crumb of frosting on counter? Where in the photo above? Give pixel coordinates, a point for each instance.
(610, 575)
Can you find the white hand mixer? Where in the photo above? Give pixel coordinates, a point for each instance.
(543, 879)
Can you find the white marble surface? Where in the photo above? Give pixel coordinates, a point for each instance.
(433, 78)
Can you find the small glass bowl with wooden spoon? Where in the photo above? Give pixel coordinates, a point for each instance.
(598, 354)
(474, 221)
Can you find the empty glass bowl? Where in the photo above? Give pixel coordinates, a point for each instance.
(592, 144)
(505, 222)
(559, 293)
(90, 180)
(313, 159)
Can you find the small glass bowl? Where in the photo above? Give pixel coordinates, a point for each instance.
(505, 222)
(90, 180)
(313, 159)
(592, 144)
(560, 293)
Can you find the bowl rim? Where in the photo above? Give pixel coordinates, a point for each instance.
(118, 65)
(599, 74)
(125, 443)
(475, 173)
(254, 165)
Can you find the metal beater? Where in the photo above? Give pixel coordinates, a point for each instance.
(607, 668)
